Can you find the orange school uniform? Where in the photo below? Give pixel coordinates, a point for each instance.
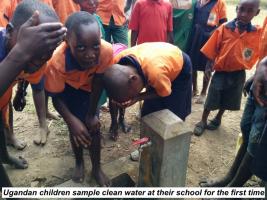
(232, 51)
(65, 8)
(160, 62)
(61, 70)
(263, 41)
(112, 8)
(217, 14)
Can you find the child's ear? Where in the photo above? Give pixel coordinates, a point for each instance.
(132, 78)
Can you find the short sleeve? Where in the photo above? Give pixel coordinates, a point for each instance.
(135, 18)
(222, 10)
(211, 48)
(36, 77)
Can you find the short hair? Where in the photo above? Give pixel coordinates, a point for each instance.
(77, 19)
(26, 9)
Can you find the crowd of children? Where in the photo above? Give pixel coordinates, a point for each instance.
(75, 51)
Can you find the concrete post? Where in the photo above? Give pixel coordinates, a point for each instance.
(164, 163)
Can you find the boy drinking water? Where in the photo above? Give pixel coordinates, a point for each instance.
(233, 48)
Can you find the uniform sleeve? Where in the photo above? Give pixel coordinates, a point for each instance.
(160, 82)
(135, 18)
(54, 81)
(36, 77)
(170, 19)
(211, 48)
(222, 15)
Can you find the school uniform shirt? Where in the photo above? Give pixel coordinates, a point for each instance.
(263, 41)
(152, 20)
(65, 8)
(4, 4)
(160, 63)
(31, 78)
(111, 8)
(232, 51)
(13, 4)
(63, 69)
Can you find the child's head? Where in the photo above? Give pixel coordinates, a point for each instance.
(83, 39)
(87, 5)
(122, 82)
(246, 10)
(23, 12)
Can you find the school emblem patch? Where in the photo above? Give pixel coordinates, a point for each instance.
(247, 54)
(212, 19)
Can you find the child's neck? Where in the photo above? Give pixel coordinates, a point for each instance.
(241, 26)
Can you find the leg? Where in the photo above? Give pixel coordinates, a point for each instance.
(107, 33)
(216, 122)
(201, 126)
(78, 173)
(120, 34)
(9, 132)
(243, 173)
(18, 163)
(95, 154)
(231, 173)
(49, 115)
(40, 106)
(4, 181)
(125, 128)
(114, 110)
(194, 76)
(206, 81)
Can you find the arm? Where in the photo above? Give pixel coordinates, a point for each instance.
(76, 127)
(92, 121)
(170, 37)
(134, 35)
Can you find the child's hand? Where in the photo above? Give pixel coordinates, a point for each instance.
(79, 133)
(35, 40)
(92, 124)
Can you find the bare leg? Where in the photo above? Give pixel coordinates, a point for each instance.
(125, 127)
(9, 132)
(95, 154)
(194, 78)
(50, 115)
(40, 106)
(78, 173)
(206, 80)
(215, 123)
(114, 110)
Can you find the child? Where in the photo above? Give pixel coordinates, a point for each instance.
(238, 38)
(64, 8)
(183, 16)
(163, 69)
(37, 49)
(112, 14)
(151, 21)
(69, 80)
(209, 14)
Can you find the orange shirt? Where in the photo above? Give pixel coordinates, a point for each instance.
(4, 4)
(115, 8)
(160, 62)
(217, 13)
(64, 8)
(232, 51)
(61, 70)
(263, 41)
(13, 4)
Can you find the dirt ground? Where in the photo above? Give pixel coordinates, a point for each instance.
(210, 155)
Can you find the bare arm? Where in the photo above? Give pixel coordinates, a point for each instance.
(134, 35)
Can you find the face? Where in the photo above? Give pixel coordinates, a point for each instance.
(88, 5)
(39, 60)
(246, 10)
(85, 45)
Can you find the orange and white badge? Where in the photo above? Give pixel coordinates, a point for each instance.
(181, 4)
(212, 20)
(247, 54)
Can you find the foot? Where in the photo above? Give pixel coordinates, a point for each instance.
(114, 135)
(18, 163)
(41, 138)
(17, 144)
(135, 155)
(78, 173)
(125, 127)
(52, 116)
(215, 182)
(200, 128)
(201, 99)
(101, 178)
(214, 124)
